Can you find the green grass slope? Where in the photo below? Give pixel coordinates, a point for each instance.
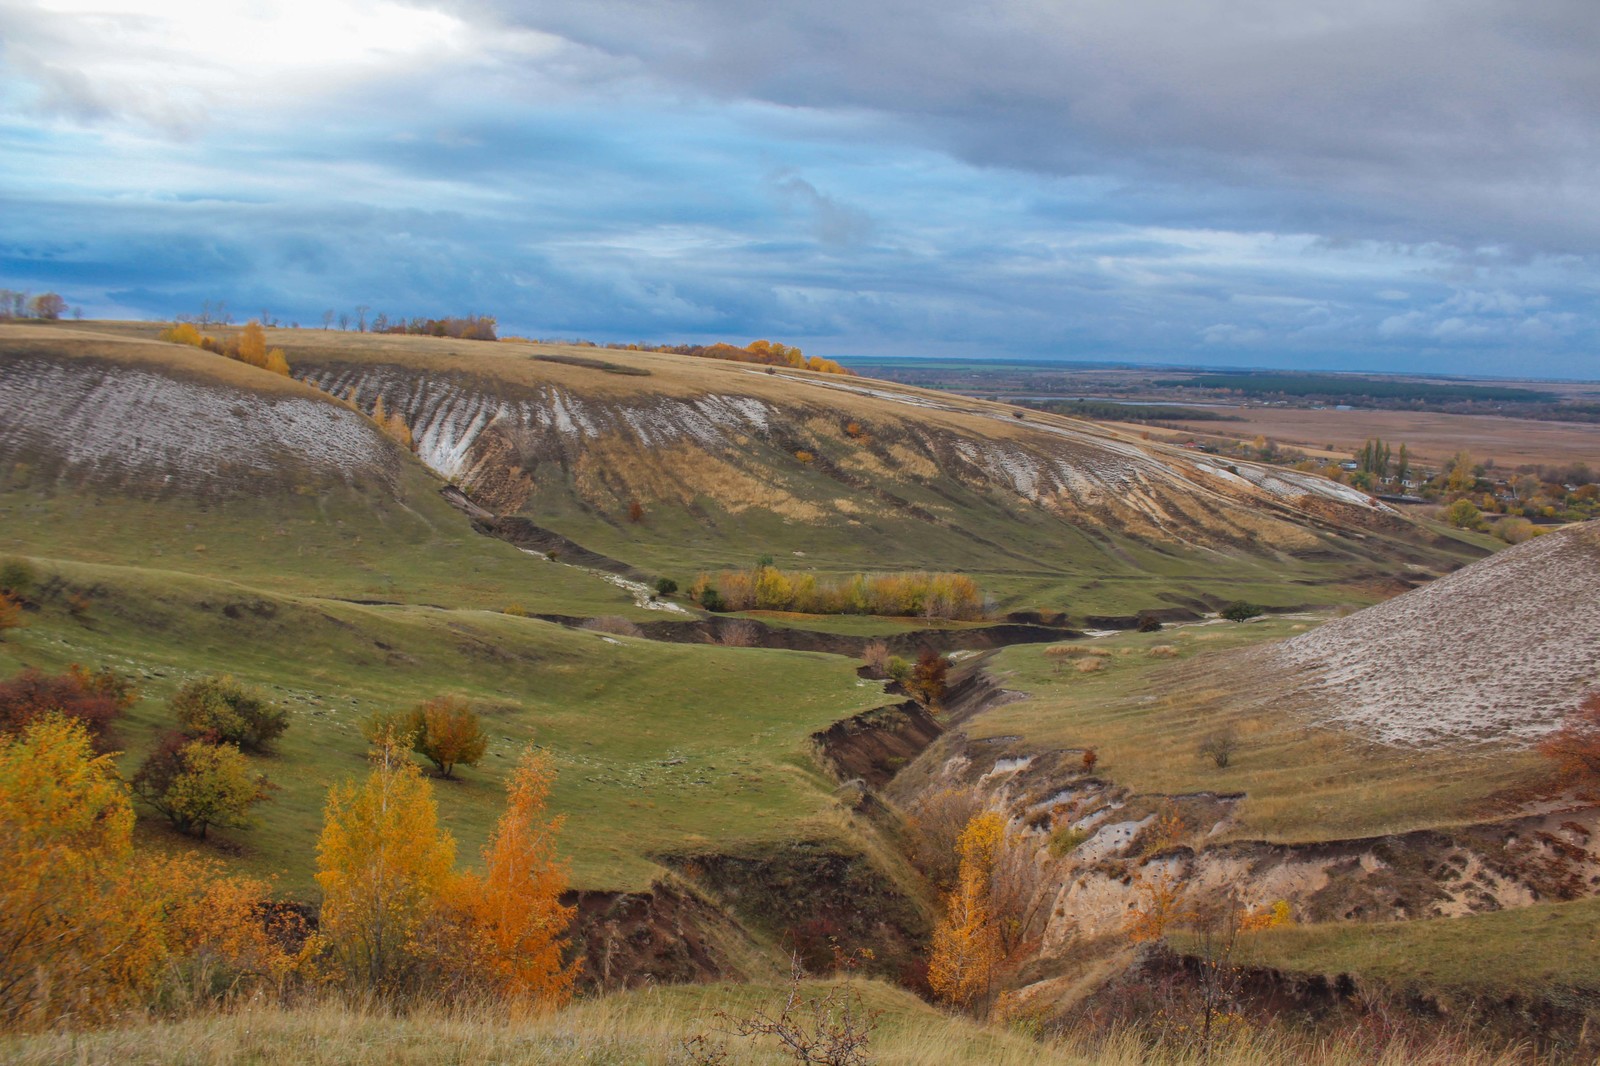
(660, 747)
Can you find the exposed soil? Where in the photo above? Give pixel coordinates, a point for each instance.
(666, 934)
(806, 895)
(876, 745)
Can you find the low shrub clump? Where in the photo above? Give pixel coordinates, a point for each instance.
(767, 588)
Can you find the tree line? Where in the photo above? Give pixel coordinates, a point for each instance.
(767, 588)
(46, 306)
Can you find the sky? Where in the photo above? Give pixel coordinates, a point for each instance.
(1406, 185)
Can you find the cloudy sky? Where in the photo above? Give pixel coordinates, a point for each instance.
(1361, 184)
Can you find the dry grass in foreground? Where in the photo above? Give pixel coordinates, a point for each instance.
(649, 1026)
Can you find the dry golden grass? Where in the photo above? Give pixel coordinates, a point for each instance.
(651, 1026)
(91, 343)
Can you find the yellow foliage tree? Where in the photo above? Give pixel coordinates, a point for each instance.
(251, 345)
(966, 942)
(70, 940)
(181, 333)
(277, 362)
(383, 864)
(515, 920)
(773, 590)
(88, 926)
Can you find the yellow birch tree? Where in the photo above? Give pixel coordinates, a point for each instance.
(966, 943)
(384, 865)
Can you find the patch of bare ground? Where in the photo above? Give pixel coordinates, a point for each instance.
(1499, 651)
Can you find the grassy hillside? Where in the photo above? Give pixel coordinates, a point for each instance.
(1147, 716)
(729, 463)
(660, 747)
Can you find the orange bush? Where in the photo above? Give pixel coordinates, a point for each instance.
(91, 699)
(1575, 747)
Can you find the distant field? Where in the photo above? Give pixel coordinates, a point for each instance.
(1431, 437)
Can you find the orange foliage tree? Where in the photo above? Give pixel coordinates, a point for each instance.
(383, 864)
(966, 942)
(515, 922)
(1575, 747)
(92, 699)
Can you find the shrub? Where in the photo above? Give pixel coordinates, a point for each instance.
(515, 610)
(90, 699)
(448, 734)
(1075, 651)
(875, 656)
(635, 511)
(1091, 759)
(1091, 666)
(223, 709)
(1463, 515)
(17, 577)
(1149, 623)
(1240, 611)
(898, 669)
(197, 785)
(1163, 651)
(1515, 530)
(1065, 840)
(739, 634)
(1220, 746)
(1575, 747)
(927, 682)
(665, 586)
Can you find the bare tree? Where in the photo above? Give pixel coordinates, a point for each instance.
(1220, 746)
(344, 320)
(361, 317)
(327, 319)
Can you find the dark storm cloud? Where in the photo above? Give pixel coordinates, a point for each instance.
(1411, 120)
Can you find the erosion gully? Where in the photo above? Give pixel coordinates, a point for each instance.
(713, 913)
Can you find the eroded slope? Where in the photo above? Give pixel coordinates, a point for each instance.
(1501, 649)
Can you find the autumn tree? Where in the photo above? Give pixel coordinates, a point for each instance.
(73, 938)
(1463, 515)
(93, 699)
(966, 942)
(223, 709)
(88, 925)
(383, 864)
(446, 731)
(927, 683)
(197, 785)
(513, 916)
(1575, 747)
(47, 305)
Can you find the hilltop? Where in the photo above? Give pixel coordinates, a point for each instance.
(673, 465)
